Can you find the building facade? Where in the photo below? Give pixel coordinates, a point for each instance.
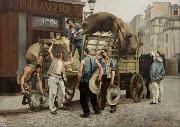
(23, 23)
(155, 17)
(162, 30)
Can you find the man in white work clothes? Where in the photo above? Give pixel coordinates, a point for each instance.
(56, 79)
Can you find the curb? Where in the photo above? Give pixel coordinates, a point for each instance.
(27, 110)
(14, 111)
(173, 77)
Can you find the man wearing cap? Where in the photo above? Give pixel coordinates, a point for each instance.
(77, 39)
(86, 69)
(108, 66)
(156, 74)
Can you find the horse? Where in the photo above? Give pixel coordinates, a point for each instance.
(145, 62)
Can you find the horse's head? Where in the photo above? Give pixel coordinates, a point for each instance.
(132, 42)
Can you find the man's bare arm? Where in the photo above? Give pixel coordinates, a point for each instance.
(39, 82)
(100, 69)
(50, 52)
(25, 73)
(112, 77)
(80, 72)
(70, 61)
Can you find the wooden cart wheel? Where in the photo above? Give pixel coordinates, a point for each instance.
(136, 87)
(69, 90)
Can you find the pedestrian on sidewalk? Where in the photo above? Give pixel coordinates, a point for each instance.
(56, 79)
(156, 73)
(87, 67)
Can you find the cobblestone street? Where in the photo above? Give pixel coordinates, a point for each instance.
(164, 114)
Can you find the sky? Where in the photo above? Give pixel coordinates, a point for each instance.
(125, 9)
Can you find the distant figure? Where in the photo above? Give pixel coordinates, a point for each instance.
(157, 72)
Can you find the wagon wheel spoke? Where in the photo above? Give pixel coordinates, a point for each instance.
(68, 92)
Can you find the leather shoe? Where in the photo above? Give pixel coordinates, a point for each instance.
(97, 112)
(153, 103)
(85, 116)
(24, 102)
(112, 110)
(54, 112)
(63, 108)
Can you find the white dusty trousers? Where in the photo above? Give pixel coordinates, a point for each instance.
(56, 91)
(157, 91)
(160, 91)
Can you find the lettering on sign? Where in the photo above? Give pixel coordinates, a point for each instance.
(45, 22)
(41, 6)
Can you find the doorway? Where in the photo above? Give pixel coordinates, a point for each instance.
(41, 34)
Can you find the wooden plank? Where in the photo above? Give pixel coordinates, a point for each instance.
(9, 44)
(4, 42)
(1, 32)
(29, 31)
(13, 43)
(102, 38)
(4, 5)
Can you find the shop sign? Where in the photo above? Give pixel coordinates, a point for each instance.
(45, 22)
(46, 7)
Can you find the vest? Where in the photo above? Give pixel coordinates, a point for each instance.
(88, 70)
(107, 67)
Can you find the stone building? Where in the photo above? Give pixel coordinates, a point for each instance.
(155, 17)
(162, 30)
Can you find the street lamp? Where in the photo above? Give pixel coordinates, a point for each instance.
(91, 5)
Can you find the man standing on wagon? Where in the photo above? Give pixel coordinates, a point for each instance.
(56, 79)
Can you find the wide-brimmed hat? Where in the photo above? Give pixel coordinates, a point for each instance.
(95, 84)
(113, 95)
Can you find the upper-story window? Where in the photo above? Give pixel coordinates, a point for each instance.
(166, 38)
(175, 11)
(160, 21)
